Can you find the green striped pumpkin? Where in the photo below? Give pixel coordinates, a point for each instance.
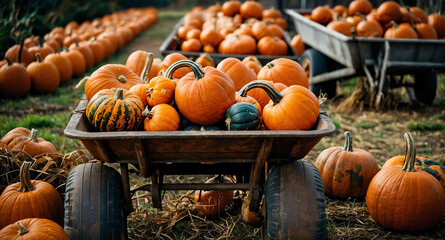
(114, 110)
(243, 116)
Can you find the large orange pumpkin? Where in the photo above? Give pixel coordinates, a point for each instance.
(285, 71)
(389, 11)
(45, 77)
(204, 95)
(322, 15)
(237, 71)
(14, 80)
(405, 199)
(161, 117)
(346, 172)
(77, 61)
(30, 199)
(33, 228)
(437, 21)
(425, 31)
(13, 54)
(110, 76)
(23, 139)
(295, 108)
(63, 64)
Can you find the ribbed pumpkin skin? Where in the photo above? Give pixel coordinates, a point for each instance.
(243, 116)
(39, 228)
(160, 90)
(109, 76)
(77, 61)
(430, 166)
(17, 138)
(206, 100)
(272, 46)
(14, 81)
(165, 118)
(237, 71)
(108, 113)
(63, 64)
(284, 71)
(300, 106)
(43, 202)
(345, 173)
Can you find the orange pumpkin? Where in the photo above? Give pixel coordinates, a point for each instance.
(231, 8)
(86, 52)
(437, 21)
(21, 138)
(322, 15)
(204, 95)
(369, 28)
(251, 9)
(243, 44)
(141, 89)
(285, 71)
(297, 44)
(272, 46)
(359, 6)
(271, 13)
(425, 31)
(253, 63)
(136, 61)
(389, 11)
(33, 228)
(172, 58)
(405, 199)
(45, 77)
(30, 199)
(63, 64)
(161, 117)
(77, 61)
(261, 96)
(210, 36)
(214, 202)
(295, 108)
(191, 45)
(340, 10)
(13, 55)
(205, 60)
(110, 76)
(403, 30)
(160, 90)
(14, 80)
(419, 14)
(237, 71)
(342, 27)
(251, 218)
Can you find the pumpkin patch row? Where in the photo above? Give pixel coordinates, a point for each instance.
(41, 65)
(407, 194)
(389, 20)
(234, 28)
(185, 96)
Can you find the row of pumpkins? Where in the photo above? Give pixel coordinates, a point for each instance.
(40, 66)
(234, 28)
(183, 95)
(389, 20)
(407, 194)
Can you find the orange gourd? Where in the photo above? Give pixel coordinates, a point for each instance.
(161, 117)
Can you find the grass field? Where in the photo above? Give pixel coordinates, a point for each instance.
(380, 133)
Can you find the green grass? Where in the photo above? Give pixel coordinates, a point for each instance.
(427, 125)
(366, 125)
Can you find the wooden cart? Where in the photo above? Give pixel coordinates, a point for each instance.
(98, 198)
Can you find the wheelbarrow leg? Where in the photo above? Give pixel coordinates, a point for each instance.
(263, 154)
(128, 206)
(382, 77)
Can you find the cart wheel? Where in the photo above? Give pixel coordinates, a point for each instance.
(93, 202)
(425, 85)
(295, 202)
(314, 63)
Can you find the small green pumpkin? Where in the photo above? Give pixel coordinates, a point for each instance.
(243, 116)
(194, 127)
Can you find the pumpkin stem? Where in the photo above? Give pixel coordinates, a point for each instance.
(270, 65)
(147, 113)
(348, 142)
(122, 79)
(271, 91)
(119, 93)
(410, 154)
(150, 93)
(147, 66)
(19, 57)
(199, 73)
(394, 24)
(39, 57)
(82, 82)
(22, 230)
(9, 61)
(33, 135)
(25, 179)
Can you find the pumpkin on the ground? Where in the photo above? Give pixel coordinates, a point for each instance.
(114, 110)
(405, 198)
(214, 202)
(30, 199)
(161, 117)
(295, 108)
(45, 77)
(14, 80)
(33, 228)
(63, 64)
(251, 218)
(21, 138)
(346, 172)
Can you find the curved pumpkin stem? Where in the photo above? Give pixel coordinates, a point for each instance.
(82, 82)
(25, 179)
(39, 57)
(147, 113)
(22, 230)
(19, 57)
(9, 61)
(119, 93)
(33, 135)
(348, 142)
(147, 66)
(410, 154)
(199, 73)
(271, 91)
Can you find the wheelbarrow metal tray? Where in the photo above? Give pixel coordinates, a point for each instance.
(172, 45)
(410, 54)
(193, 146)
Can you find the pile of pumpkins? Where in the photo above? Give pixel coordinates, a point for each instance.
(407, 194)
(30, 209)
(181, 95)
(40, 65)
(389, 20)
(234, 28)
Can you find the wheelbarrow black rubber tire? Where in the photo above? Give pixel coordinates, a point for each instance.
(93, 202)
(295, 202)
(318, 65)
(425, 86)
